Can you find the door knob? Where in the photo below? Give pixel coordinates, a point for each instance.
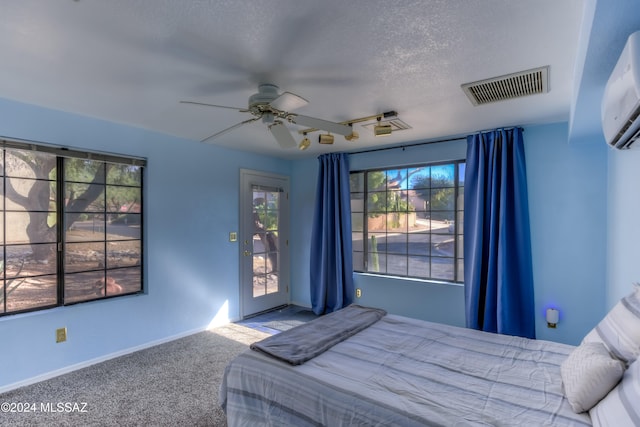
(247, 253)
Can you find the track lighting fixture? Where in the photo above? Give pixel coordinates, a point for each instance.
(325, 138)
(381, 129)
(305, 143)
(392, 123)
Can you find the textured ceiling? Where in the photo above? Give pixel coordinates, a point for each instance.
(132, 61)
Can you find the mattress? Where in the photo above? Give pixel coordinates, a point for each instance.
(405, 372)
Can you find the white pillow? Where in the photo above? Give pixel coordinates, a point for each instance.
(619, 331)
(621, 407)
(588, 374)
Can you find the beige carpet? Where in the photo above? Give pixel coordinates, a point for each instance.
(172, 384)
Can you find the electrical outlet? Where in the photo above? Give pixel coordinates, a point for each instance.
(233, 236)
(358, 293)
(61, 335)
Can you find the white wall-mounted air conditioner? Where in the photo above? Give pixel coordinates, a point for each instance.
(621, 101)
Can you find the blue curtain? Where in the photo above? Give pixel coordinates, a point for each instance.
(331, 256)
(497, 243)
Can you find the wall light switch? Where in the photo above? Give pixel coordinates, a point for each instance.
(233, 236)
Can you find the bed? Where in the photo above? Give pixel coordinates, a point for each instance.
(397, 371)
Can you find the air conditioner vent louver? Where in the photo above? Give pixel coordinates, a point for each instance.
(510, 86)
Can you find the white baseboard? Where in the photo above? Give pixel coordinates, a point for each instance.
(75, 367)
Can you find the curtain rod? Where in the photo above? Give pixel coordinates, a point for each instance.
(57, 150)
(395, 147)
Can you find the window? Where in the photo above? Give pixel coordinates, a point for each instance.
(71, 227)
(407, 222)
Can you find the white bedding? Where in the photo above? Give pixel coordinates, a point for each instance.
(402, 372)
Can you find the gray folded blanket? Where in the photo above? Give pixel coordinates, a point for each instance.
(306, 341)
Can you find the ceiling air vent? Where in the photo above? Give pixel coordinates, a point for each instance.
(510, 86)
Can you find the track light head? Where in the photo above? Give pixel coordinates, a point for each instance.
(382, 129)
(325, 138)
(352, 137)
(305, 143)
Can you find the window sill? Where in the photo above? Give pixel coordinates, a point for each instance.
(61, 308)
(409, 279)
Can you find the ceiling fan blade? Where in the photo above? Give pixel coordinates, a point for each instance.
(229, 129)
(282, 135)
(312, 122)
(288, 101)
(242, 110)
(210, 53)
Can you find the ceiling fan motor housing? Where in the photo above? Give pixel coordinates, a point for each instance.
(266, 94)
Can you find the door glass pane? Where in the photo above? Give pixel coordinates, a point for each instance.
(259, 286)
(266, 205)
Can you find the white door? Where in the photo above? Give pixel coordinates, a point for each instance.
(264, 241)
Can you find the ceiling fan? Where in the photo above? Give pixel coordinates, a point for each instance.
(273, 109)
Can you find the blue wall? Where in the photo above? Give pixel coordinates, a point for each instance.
(567, 185)
(192, 271)
(623, 232)
(567, 190)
